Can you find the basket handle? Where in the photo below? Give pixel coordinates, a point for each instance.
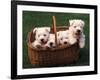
(54, 28)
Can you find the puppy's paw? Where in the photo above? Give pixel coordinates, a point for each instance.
(38, 46)
(82, 41)
(81, 44)
(72, 41)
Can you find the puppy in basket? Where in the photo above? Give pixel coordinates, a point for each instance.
(41, 37)
(63, 38)
(76, 30)
(51, 42)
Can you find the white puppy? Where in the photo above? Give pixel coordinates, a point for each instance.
(41, 37)
(63, 38)
(76, 30)
(51, 42)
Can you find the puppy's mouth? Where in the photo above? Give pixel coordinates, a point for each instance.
(43, 41)
(52, 45)
(78, 33)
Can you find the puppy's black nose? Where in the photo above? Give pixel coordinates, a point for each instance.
(42, 40)
(78, 31)
(65, 42)
(51, 44)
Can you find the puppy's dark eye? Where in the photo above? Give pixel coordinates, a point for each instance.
(44, 34)
(74, 26)
(66, 37)
(61, 38)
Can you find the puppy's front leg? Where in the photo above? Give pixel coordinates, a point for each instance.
(36, 45)
(82, 41)
(72, 40)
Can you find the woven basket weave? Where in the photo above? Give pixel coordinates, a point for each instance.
(58, 56)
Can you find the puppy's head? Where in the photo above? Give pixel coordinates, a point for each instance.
(76, 26)
(42, 34)
(51, 42)
(63, 38)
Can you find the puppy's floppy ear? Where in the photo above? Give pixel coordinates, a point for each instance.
(57, 33)
(83, 23)
(71, 22)
(34, 30)
(47, 29)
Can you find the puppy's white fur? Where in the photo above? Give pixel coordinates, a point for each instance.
(63, 38)
(41, 37)
(76, 30)
(72, 39)
(82, 41)
(51, 42)
(37, 45)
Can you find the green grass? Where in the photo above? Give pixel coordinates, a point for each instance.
(37, 19)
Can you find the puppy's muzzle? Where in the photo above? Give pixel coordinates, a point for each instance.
(42, 41)
(65, 42)
(51, 44)
(78, 32)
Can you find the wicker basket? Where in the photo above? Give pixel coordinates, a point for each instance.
(58, 56)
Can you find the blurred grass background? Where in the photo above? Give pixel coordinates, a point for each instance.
(38, 19)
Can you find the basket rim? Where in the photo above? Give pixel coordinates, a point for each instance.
(58, 48)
